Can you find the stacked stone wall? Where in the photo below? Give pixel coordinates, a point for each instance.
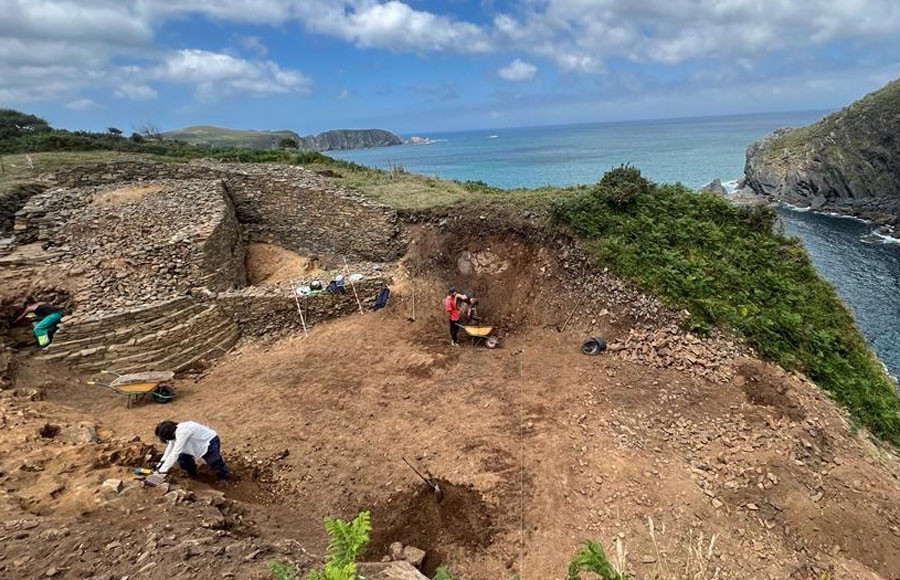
(156, 253)
(267, 310)
(171, 335)
(281, 204)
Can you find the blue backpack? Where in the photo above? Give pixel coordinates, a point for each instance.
(382, 299)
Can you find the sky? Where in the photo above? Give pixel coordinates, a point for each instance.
(420, 66)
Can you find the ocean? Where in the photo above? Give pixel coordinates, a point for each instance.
(864, 270)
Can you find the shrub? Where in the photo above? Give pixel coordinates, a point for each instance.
(726, 266)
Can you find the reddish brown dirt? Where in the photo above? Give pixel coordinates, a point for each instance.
(271, 263)
(552, 446)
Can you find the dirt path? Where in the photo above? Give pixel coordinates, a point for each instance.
(539, 448)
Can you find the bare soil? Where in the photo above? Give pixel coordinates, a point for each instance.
(268, 263)
(536, 446)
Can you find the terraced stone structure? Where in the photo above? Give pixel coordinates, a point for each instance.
(154, 256)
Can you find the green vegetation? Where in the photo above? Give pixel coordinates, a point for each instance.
(346, 543)
(210, 136)
(727, 267)
(442, 573)
(283, 570)
(593, 559)
(856, 121)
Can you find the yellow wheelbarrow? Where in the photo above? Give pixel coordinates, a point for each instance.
(481, 333)
(134, 386)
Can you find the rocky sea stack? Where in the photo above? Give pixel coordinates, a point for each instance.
(848, 162)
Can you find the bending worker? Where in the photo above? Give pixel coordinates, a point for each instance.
(185, 443)
(44, 319)
(451, 306)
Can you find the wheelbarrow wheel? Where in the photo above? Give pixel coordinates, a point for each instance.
(593, 346)
(491, 342)
(162, 394)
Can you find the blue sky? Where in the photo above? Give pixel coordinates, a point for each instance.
(421, 66)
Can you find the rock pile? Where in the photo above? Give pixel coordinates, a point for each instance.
(671, 348)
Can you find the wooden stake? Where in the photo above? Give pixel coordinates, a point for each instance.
(352, 285)
(299, 310)
(571, 314)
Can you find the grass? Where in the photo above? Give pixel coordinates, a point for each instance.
(727, 267)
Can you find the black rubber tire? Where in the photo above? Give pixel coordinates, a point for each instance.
(491, 342)
(593, 346)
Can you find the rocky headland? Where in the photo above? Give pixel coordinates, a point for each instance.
(326, 141)
(849, 162)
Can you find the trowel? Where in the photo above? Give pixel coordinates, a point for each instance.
(438, 494)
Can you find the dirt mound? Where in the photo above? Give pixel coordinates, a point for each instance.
(268, 263)
(461, 521)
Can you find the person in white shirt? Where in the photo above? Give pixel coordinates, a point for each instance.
(186, 442)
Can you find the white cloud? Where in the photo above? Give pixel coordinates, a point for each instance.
(518, 71)
(136, 92)
(343, 94)
(82, 105)
(216, 73)
(53, 49)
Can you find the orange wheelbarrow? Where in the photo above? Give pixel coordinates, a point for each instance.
(139, 385)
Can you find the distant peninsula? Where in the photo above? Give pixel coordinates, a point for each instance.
(252, 139)
(848, 162)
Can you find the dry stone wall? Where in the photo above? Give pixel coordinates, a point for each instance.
(286, 205)
(171, 335)
(131, 244)
(156, 254)
(266, 310)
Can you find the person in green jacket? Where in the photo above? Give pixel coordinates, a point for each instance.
(44, 319)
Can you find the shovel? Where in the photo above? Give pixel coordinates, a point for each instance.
(438, 494)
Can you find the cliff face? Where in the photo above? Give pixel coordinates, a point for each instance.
(847, 162)
(350, 139)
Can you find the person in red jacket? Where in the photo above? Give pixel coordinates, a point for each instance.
(451, 307)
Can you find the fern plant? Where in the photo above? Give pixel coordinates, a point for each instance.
(283, 570)
(592, 558)
(346, 542)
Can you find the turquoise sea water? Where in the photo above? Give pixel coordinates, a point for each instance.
(692, 151)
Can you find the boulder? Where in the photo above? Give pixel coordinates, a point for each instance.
(78, 433)
(389, 571)
(714, 186)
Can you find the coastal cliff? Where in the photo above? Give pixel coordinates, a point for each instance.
(848, 162)
(325, 141)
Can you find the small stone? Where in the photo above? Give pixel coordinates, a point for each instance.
(414, 555)
(395, 550)
(752, 507)
(648, 559)
(113, 485)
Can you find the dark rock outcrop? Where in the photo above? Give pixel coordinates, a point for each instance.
(848, 162)
(350, 139)
(714, 186)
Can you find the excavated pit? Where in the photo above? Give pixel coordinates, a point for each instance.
(461, 522)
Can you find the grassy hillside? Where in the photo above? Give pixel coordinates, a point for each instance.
(729, 269)
(853, 125)
(233, 138)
